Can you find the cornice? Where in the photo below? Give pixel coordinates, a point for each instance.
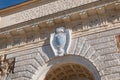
(37, 34)
(44, 42)
(47, 10)
(84, 13)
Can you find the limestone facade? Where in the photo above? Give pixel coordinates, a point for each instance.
(94, 51)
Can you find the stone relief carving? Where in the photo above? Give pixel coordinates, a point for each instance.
(60, 41)
(6, 65)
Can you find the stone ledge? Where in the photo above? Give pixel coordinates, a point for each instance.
(41, 11)
(75, 35)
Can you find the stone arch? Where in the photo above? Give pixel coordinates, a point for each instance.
(67, 60)
(80, 50)
(99, 49)
(83, 47)
(69, 71)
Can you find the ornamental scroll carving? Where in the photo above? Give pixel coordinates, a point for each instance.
(6, 65)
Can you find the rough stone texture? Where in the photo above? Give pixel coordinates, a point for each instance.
(41, 11)
(99, 48)
(73, 46)
(106, 55)
(29, 61)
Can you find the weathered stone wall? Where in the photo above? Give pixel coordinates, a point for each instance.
(97, 45)
(40, 11)
(99, 48)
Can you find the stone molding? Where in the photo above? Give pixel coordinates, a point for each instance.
(41, 11)
(44, 10)
(82, 23)
(38, 33)
(23, 47)
(91, 40)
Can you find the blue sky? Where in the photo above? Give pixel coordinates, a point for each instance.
(7, 3)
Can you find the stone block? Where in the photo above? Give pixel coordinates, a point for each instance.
(32, 62)
(29, 68)
(104, 45)
(26, 74)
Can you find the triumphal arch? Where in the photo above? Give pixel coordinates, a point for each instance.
(60, 40)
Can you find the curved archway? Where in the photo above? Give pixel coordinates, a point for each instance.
(90, 71)
(69, 71)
